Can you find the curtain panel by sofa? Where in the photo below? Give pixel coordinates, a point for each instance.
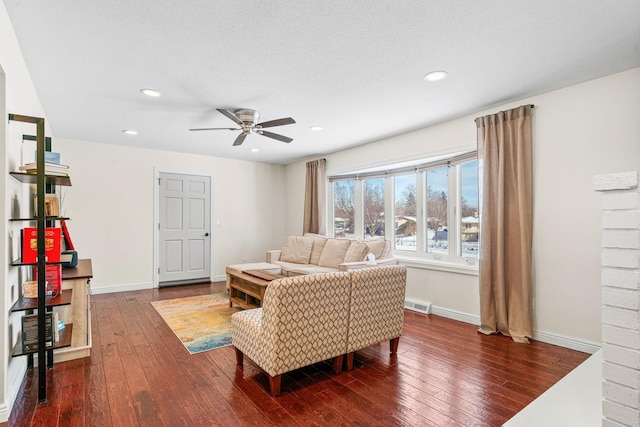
(505, 169)
(314, 198)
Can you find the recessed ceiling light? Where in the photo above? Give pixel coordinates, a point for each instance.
(130, 132)
(316, 128)
(255, 150)
(150, 92)
(434, 76)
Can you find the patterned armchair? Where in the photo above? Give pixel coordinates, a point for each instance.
(376, 312)
(303, 321)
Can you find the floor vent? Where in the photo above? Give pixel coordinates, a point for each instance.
(420, 307)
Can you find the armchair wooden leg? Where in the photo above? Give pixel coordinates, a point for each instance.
(393, 345)
(337, 364)
(350, 360)
(239, 357)
(274, 385)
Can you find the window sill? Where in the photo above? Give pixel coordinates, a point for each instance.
(430, 264)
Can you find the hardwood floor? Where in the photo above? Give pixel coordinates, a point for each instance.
(140, 374)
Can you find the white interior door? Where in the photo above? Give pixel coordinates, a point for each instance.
(184, 229)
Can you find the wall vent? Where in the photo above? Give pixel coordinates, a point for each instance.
(419, 306)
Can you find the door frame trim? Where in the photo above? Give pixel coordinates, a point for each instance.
(156, 218)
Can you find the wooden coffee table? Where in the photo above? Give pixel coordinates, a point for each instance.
(247, 288)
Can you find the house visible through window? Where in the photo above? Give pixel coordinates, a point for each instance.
(427, 210)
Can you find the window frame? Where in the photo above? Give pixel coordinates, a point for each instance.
(455, 261)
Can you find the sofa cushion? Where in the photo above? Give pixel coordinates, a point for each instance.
(318, 245)
(357, 252)
(334, 252)
(386, 252)
(309, 269)
(376, 247)
(296, 249)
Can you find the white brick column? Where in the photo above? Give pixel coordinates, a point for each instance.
(620, 297)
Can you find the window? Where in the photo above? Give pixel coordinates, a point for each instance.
(437, 211)
(404, 189)
(427, 210)
(469, 213)
(343, 208)
(373, 208)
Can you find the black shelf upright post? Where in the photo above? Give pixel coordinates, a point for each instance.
(41, 224)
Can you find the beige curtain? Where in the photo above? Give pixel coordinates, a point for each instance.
(314, 198)
(505, 169)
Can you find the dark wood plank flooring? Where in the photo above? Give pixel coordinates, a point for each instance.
(445, 373)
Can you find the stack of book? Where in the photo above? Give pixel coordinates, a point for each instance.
(49, 168)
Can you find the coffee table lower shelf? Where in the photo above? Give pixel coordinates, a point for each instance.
(247, 290)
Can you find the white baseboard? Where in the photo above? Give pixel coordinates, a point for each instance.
(96, 290)
(456, 315)
(15, 382)
(220, 278)
(4, 413)
(546, 337)
(567, 342)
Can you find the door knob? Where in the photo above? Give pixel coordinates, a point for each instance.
(206, 234)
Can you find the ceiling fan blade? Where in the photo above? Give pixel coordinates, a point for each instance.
(277, 122)
(240, 139)
(216, 129)
(230, 115)
(275, 136)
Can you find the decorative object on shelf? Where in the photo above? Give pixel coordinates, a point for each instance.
(51, 205)
(69, 259)
(30, 245)
(30, 289)
(49, 157)
(53, 277)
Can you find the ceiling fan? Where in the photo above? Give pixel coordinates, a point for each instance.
(247, 120)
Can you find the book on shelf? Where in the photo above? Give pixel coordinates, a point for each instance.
(30, 245)
(49, 168)
(67, 237)
(30, 330)
(53, 279)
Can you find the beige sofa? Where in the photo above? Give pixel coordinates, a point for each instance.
(311, 318)
(314, 253)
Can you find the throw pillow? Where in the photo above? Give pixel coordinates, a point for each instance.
(334, 252)
(296, 249)
(357, 252)
(376, 247)
(318, 245)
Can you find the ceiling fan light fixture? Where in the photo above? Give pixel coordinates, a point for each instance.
(435, 76)
(150, 92)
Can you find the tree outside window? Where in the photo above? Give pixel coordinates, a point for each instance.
(373, 208)
(343, 208)
(437, 211)
(469, 219)
(405, 212)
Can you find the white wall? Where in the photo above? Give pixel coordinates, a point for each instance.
(111, 206)
(580, 131)
(18, 96)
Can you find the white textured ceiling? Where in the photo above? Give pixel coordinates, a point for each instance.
(353, 67)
